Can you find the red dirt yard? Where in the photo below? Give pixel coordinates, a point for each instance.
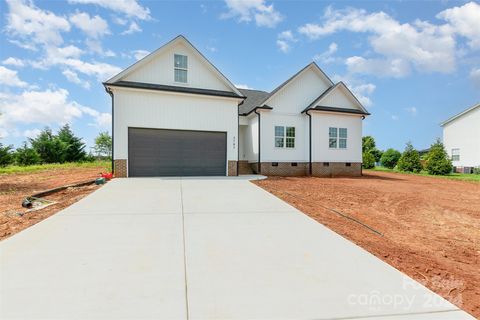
(15, 187)
(430, 226)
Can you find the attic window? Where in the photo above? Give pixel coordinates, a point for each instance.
(181, 68)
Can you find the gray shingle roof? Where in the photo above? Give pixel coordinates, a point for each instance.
(254, 98)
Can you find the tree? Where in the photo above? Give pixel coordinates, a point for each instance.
(74, 147)
(410, 160)
(390, 158)
(49, 147)
(103, 145)
(368, 144)
(368, 160)
(5, 155)
(25, 156)
(437, 160)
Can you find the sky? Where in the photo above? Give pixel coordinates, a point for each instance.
(412, 64)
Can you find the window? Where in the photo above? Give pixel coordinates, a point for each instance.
(284, 137)
(337, 138)
(181, 68)
(455, 154)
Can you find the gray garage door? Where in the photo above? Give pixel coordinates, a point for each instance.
(158, 152)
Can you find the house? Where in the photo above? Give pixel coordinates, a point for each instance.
(461, 139)
(175, 114)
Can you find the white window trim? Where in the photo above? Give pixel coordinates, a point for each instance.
(457, 154)
(179, 68)
(338, 139)
(285, 138)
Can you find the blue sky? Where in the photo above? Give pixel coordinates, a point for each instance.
(412, 64)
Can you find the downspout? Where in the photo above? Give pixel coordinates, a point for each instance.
(238, 138)
(361, 165)
(109, 91)
(309, 141)
(259, 158)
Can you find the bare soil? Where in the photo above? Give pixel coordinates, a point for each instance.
(15, 187)
(430, 227)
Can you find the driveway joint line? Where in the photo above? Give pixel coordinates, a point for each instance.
(392, 315)
(184, 251)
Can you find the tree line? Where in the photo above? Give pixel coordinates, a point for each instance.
(436, 161)
(49, 147)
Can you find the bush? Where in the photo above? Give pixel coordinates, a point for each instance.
(476, 170)
(368, 160)
(390, 158)
(6, 157)
(410, 160)
(437, 160)
(25, 156)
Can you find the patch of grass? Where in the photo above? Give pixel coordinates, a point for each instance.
(103, 165)
(453, 176)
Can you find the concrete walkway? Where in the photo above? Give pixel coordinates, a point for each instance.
(198, 249)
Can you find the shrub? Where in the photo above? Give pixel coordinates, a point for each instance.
(25, 156)
(476, 170)
(390, 158)
(437, 160)
(6, 157)
(410, 160)
(368, 160)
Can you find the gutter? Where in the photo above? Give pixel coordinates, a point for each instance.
(309, 141)
(110, 92)
(259, 158)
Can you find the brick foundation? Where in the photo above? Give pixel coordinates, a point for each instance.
(282, 169)
(244, 167)
(232, 168)
(335, 169)
(120, 168)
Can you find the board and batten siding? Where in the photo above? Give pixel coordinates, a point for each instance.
(298, 94)
(321, 152)
(463, 133)
(161, 70)
(147, 109)
(339, 99)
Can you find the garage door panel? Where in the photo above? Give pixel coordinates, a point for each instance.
(161, 152)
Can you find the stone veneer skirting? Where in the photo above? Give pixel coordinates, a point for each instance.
(120, 168)
(232, 168)
(319, 169)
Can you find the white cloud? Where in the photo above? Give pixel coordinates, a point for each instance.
(43, 108)
(94, 27)
(11, 61)
(248, 10)
(464, 21)
(327, 56)
(31, 133)
(10, 78)
(475, 76)
(422, 45)
(130, 8)
(73, 77)
(211, 49)
(35, 25)
(359, 88)
(394, 117)
(139, 54)
(285, 40)
(412, 111)
(242, 86)
(133, 28)
(381, 67)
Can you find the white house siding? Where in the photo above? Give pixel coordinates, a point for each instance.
(251, 139)
(321, 122)
(339, 99)
(269, 152)
(298, 94)
(158, 110)
(161, 70)
(463, 133)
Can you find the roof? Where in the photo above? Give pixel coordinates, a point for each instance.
(460, 114)
(160, 87)
(316, 104)
(254, 98)
(311, 64)
(159, 51)
(341, 110)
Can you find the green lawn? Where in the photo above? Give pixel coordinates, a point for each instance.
(453, 176)
(104, 165)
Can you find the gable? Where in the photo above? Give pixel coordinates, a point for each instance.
(340, 98)
(158, 68)
(294, 96)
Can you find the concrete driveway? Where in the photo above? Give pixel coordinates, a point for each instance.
(199, 248)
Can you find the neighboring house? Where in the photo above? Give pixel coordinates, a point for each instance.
(175, 114)
(461, 137)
